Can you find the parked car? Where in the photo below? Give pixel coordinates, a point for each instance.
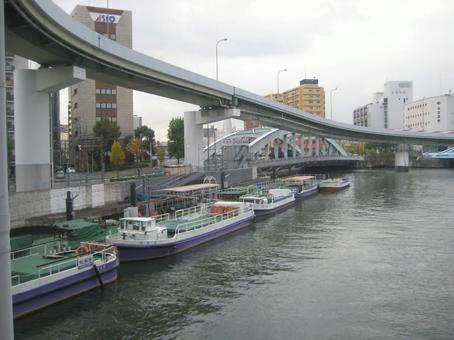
(70, 170)
(59, 173)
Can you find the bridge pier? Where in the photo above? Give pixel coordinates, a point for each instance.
(317, 146)
(33, 149)
(402, 158)
(310, 147)
(193, 139)
(6, 304)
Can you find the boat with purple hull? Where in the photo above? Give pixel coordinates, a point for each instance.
(303, 186)
(270, 201)
(44, 275)
(145, 238)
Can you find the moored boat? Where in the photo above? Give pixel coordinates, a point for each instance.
(144, 238)
(333, 184)
(46, 274)
(303, 186)
(270, 201)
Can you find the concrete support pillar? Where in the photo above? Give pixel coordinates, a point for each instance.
(285, 146)
(276, 149)
(310, 146)
(324, 147)
(402, 158)
(294, 145)
(227, 126)
(6, 304)
(267, 150)
(193, 139)
(32, 122)
(32, 131)
(303, 152)
(317, 146)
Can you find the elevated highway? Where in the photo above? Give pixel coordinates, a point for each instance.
(41, 31)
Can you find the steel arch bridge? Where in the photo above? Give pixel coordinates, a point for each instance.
(266, 143)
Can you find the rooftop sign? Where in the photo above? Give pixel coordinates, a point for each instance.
(105, 17)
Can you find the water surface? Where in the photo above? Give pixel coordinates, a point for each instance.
(375, 261)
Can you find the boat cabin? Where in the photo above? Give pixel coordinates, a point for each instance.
(143, 227)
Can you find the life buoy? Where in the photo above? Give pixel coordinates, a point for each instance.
(83, 248)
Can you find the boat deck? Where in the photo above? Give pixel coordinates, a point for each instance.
(27, 268)
(193, 223)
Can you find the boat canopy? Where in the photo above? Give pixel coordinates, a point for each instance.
(298, 178)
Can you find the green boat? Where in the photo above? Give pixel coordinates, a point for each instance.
(73, 232)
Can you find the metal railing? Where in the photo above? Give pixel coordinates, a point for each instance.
(35, 250)
(161, 218)
(190, 211)
(61, 266)
(192, 225)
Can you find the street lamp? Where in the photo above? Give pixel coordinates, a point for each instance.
(217, 44)
(278, 72)
(331, 102)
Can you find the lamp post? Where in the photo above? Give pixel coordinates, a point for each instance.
(217, 44)
(331, 103)
(279, 72)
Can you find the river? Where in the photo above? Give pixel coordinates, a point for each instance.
(375, 261)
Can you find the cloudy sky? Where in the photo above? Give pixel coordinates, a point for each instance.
(355, 45)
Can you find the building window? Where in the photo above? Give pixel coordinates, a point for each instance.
(98, 91)
(108, 105)
(75, 105)
(103, 91)
(114, 105)
(75, 91)
(98, 105)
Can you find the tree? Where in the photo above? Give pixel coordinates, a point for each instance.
(147, 136)
(108, 132)
(117, 156)
(135, 147)
(175, 133)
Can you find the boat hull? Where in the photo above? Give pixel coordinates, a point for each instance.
(306, 193)
(141, 252)
(330, 189)
(43, 295)
(285, 203)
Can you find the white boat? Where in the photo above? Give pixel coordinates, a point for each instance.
(144, 238)
(333, 184)
(270, 201)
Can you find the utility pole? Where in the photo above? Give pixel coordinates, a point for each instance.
(6, 303)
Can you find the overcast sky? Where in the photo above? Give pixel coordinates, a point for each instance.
(355, 45)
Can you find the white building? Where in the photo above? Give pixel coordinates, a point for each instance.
(430, 114)
(387, 108)
(395, 96)
(137, 121)
(372, 114)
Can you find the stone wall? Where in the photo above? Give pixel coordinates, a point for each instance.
(25, 205)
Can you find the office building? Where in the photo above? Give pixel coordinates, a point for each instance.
(386, 111)
(308, 97)
(91, 101)
(430, 114)
(137, 122)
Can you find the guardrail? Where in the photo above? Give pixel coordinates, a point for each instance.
(192, 225)
(61, 266)
(189, 211)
